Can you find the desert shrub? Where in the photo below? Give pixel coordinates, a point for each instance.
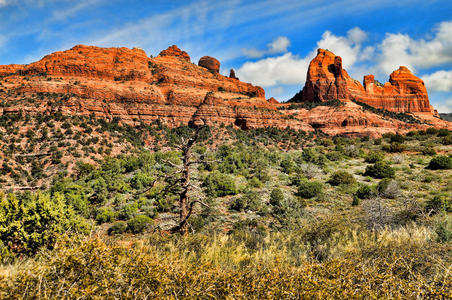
(218, 184)
(440, 162)
(32, 221)
(341, 177)
(439, 203)
(398, 158)
(374, 156)
(443, 132)
(388, 188)
(351, 151)
(364, 191)
(310, 170)
(309, 189)
(117, 228)
(334, 155)
(395, 147)
(287, 165)
(141, 180)
(431, 130)
(276, 197)
(250, 200)
(397, 138)
(105, 215)
(138, 223)
(447, 140)
(380, 169)
(443, 230)
(428, 150)
(128, 210)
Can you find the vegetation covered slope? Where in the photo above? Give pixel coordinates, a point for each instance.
(280, 214)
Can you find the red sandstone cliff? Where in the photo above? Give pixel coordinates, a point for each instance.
(327, 80)
(126, 83)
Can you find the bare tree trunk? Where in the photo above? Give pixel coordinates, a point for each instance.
(183, 196)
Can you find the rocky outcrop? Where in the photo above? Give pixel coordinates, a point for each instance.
(327, 80)
(232, 74)
(210, 63)
(176, 52)
(126, 83)
(272, 101)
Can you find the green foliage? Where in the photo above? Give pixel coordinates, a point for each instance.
(309, 189)
(31, 221)
(380, 169)
(429, 150)
(394, 147)
(138, 224)
(440, 162)
(374, 156)
(364, 191)
(218, 184)
(117, 228)
(355, 201)
(250, 200)
(438, 204)
(341, 177)
(443, 230)
(276, 197)
(105, 215)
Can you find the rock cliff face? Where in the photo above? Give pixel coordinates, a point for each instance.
(126, 83)
(327, 80)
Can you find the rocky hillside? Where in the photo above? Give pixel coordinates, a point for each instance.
(126, 84)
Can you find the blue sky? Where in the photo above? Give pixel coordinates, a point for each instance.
(268, 43)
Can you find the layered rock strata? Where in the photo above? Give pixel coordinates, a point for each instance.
(327, 80)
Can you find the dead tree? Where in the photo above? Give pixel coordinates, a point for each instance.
(186, 204)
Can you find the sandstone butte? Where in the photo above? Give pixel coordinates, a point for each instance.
(126, 83)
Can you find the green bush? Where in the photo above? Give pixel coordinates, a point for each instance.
(440, 162)
(334, 155)
(380, 169)
(276, 197)
(32, 221)
(117, 228)
(105, 215)
(309, 189)
(218, 184)
(138, 224)
(250, 200)
(443, 132)
(447, 140)
(374, 156)
(364, 191)
(341, 177)
(439, 203)
(429, 150)
(396, 147)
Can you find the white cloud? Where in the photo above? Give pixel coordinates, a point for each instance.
(278, 45)
(5, 2)
(439, 81)
(291, 69)
(443, 106)
(284, 69)
(348, 47)
(400, 49)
